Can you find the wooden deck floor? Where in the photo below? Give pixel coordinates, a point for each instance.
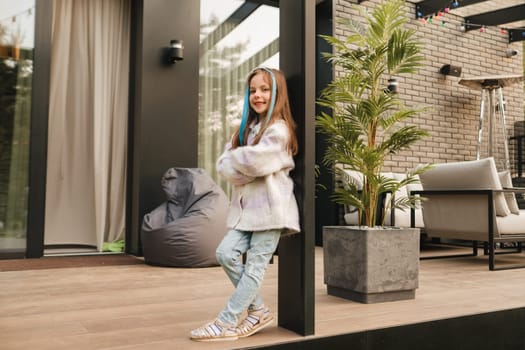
(145, 307)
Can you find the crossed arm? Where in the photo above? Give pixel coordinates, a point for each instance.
(243, 164)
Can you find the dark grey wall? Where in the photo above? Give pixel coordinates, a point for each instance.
(163, 103)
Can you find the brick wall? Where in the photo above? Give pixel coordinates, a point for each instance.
(453, 118)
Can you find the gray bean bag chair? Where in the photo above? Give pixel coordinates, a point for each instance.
(186, 229)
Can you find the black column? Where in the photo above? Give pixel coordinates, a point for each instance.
(296, 253)
(163, 103)
(39, 118)
(326, 213)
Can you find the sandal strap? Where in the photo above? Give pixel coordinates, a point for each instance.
(254, 322)
(214, 331)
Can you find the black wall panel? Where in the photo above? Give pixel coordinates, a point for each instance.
(163, 103)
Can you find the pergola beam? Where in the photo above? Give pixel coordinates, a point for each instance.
(239, 15)
(496, 17)
(516, 35)
(428, 7)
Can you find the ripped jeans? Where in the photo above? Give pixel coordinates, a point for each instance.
(247, 278)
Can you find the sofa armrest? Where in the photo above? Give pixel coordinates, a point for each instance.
(512, 190)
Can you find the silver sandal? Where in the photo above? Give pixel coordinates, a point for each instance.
(214, 331)
(255, 321)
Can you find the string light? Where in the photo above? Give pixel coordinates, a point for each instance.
(440, 14)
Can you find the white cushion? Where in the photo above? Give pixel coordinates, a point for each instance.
(402, 217)
(352, 176)
(355, 177)
(473, 174)
(351, 217)
(506, 182)
(511, 224)
(414, 186)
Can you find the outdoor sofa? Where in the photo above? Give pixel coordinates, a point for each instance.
(471, 201)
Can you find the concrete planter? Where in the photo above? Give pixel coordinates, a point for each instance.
(371, 265)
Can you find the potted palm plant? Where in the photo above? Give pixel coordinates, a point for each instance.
(368, 123)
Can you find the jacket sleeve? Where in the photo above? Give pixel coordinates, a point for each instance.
(267, 157)
(225, 168)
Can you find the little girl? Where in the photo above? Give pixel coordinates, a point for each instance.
(257, 161)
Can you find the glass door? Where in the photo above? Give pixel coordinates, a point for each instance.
(236, 37)
(16, 70)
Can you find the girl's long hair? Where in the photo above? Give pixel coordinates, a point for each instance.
(281, 111)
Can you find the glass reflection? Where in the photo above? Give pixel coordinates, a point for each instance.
(236, 36)
(16, 71)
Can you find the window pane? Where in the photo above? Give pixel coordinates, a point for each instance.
(244, 35)
(16, 68)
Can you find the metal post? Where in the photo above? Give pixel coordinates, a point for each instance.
(296, 294)
(519, 160)
(480, 130)
(504, 127)
(491, 122)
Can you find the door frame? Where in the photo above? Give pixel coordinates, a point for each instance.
(39, 127)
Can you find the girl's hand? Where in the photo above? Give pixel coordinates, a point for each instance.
(225, 168)
(266, 157)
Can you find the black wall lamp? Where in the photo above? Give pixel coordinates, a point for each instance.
(392, 85)
(175, 51)
(449, 69)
